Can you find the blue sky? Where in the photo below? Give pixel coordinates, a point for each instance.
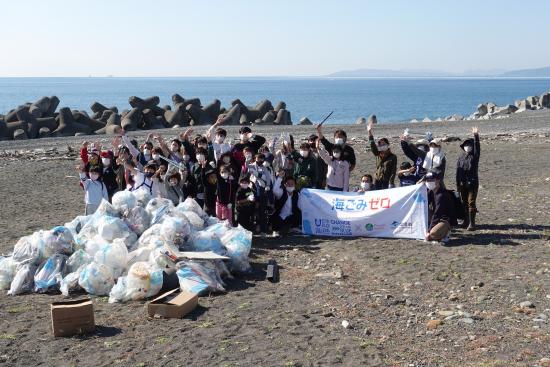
(268, 38)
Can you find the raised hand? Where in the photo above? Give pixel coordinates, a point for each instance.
(370, 127)
(404, 137)
(475, 130)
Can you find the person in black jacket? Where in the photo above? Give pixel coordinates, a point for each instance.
(109, 175)
(467, 179)
(421, 145)
(441, 209)
(287, 213)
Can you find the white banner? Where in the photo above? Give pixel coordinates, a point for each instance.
(401, 212)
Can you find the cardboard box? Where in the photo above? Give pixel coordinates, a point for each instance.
(173, 304)
(72, 317)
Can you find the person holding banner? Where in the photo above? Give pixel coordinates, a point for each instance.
(386, 162)
(441, 210)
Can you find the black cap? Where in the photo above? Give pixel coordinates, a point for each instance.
(432, 176)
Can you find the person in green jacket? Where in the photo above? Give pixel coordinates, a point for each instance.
(305, 167)
(386, 162)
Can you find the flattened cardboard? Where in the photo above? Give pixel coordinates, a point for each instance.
(72, 317)
(173, 304)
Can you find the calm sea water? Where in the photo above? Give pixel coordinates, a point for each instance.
(392, 100)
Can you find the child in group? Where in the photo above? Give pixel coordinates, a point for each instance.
(406, 174)
(173, 188)
(305, 167)
(225, 194)
(261, 177)
(199, 172)
(245, 204)
(366, 183)
(94, 188)
(145, 180)
(338, 169)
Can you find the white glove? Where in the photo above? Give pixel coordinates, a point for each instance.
(251, 198)
(252, 178)
(212, 164)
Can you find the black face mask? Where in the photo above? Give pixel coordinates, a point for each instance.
(149, 174)
(259, 163)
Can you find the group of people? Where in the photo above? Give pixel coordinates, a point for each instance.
(256, 183)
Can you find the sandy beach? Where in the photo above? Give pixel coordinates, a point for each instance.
(389, 292)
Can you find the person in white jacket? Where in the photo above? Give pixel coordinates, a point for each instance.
(146, 180)
(338, 169)
(94, 189)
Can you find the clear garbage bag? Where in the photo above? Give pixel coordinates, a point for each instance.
(157, 203)
(142, 197)
(219, 228)
(58, 240)
(77, 259)
(23, 280)
(199, 277)
(105, 209)
(175, 231)
(111, 228)
(159, 259)
(8, 268)
(138, 220)
(95, 244)
(124, 201)
(77, 224)
(196, 221)
(96, 279)
(113, 255)
(30, 249)
(140, 254)
(143, 281)
(206, 241)
(50, 273)
(238, 242)
(191, 205)
(70, 282)
(151, 237)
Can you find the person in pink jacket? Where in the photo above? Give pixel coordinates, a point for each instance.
(338, 169)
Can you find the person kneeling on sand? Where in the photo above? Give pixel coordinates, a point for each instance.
(441, 209)
(288, 215)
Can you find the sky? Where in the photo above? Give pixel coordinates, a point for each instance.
(268, 38)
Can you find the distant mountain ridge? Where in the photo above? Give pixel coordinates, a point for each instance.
(412, 73)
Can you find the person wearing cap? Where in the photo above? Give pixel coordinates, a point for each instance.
(109, 174)
(321, 166)
(406, 174)
(415, 152)
(386, 162)
(89, 155)
(467, 179)
(340, 138)
(440, 209)
(254, 142)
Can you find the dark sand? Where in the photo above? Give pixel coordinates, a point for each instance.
(390, 291)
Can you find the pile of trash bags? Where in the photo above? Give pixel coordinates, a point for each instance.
(125, 249)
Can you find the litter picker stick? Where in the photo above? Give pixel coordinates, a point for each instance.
(179, 165)
(326, 118)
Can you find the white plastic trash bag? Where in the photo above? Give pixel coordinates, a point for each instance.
(175, 231)
(196, 221)
(159, 259)
(110, 228)
(142, 197)
(113, 255)
(157, 203)
(151, 237)
(138, 220)
(78, 223)
(95, 244)
(49, 275)
(58, 240)
(23, 280)
(8, 268)
(30, 249)
(219, 228)
(238, 242)
(124, 201)
(191, 205)
(140, 254)
(142, 281)
(199, 277)
(70, 282)
(96, 279)
(77, 259)
(206, 241)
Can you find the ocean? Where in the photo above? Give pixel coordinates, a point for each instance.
(392, 100)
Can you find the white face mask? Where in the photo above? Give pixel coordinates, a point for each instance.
(304, 153)
(339, 141)
(200, 158)
(173, 183)
(248, 157)
(174, 148)
(383, 148)
(468, 149)
(406, 174)
(365, 185)
(224, 175)
(290, 189)
(434, 150)
(226, 159)
(106, 161)
(336, 155)
(244, 186)
(186, 158)
(94, 176)
(422, 148)
(220, 139)
(146, 152)
(244, 137)
(156, 157)
(430, 185)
